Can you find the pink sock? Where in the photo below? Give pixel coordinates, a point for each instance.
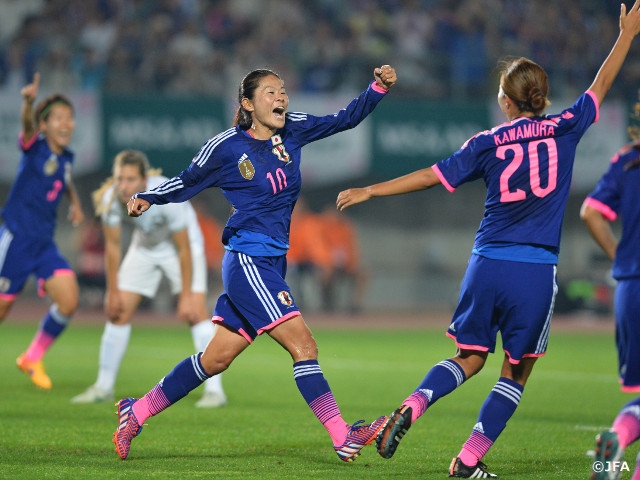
(141, 410)
(151, 404)
(474, 448)
(337, 429)
(418, 402)
(627, 427)
(467, 457)
(39, 345)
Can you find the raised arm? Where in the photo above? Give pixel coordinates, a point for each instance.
(629, 28)
(29, 94)
(418, 180)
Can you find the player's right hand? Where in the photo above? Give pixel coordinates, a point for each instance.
(137, 206)
(352, 196)
(30, 92)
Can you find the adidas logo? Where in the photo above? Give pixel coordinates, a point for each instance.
(478, 428)
(427, 392)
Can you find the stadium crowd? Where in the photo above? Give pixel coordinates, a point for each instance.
(442, 49)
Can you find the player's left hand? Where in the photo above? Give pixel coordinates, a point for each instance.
(76, 215)
(137, 206)
(186, 311)
(385, 76)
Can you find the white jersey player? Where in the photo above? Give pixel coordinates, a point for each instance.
(168, 243)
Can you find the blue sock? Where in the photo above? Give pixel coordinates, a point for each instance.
(185, 376)
(54, 322)
(441, 380)
(310, 380)
(498, 408)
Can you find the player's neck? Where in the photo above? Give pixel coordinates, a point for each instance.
(260, 132)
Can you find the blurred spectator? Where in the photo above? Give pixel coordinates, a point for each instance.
(213, 248)
(345, 286)
(12, 14)
(440, 47)
(308, 260)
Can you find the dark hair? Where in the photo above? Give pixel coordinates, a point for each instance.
(43, 109)
(247, 89)
(526, 83)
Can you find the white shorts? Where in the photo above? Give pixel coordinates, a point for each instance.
(141, 272)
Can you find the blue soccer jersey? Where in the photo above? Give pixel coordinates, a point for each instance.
(527, 165)
(617, 194)
(261, 178)
(32, 204)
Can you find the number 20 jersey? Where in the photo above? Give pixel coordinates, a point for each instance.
(526, 165)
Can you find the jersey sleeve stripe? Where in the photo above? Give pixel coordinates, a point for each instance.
(207, 148)
(605, 210)
(296, 116)
(443, 180)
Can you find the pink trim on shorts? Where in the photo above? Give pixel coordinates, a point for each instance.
(478, 348)
(218, 319)
(513, 361)
(8, 297)
(288, 316)
(628, 389)
(60, 272)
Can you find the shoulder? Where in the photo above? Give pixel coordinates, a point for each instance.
(223, 138)
(217, 144)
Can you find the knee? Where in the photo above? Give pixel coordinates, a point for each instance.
(68, 306)
(215, 364)
(471, 362)
(305, 351)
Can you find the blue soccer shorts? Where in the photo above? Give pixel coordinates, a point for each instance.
(627, 306)
(256, 296)
(515, 298)
(22, 256)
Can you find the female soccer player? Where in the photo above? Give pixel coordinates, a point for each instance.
(166, 243)
(26, 239)
(617, 195)
(510, 282)
(257, 165)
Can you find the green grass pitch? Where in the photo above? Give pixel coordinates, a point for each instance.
(267, 431)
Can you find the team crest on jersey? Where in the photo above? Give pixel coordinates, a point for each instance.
(279, 150)
(51, 165)
(285, 298)
(247, 169)
(5, 283)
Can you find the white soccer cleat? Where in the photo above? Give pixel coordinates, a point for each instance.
(212, 400)
(93, 395)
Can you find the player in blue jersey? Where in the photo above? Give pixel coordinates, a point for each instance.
(256, 164)
(27, 236)
(617, 194)
(510, 282)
